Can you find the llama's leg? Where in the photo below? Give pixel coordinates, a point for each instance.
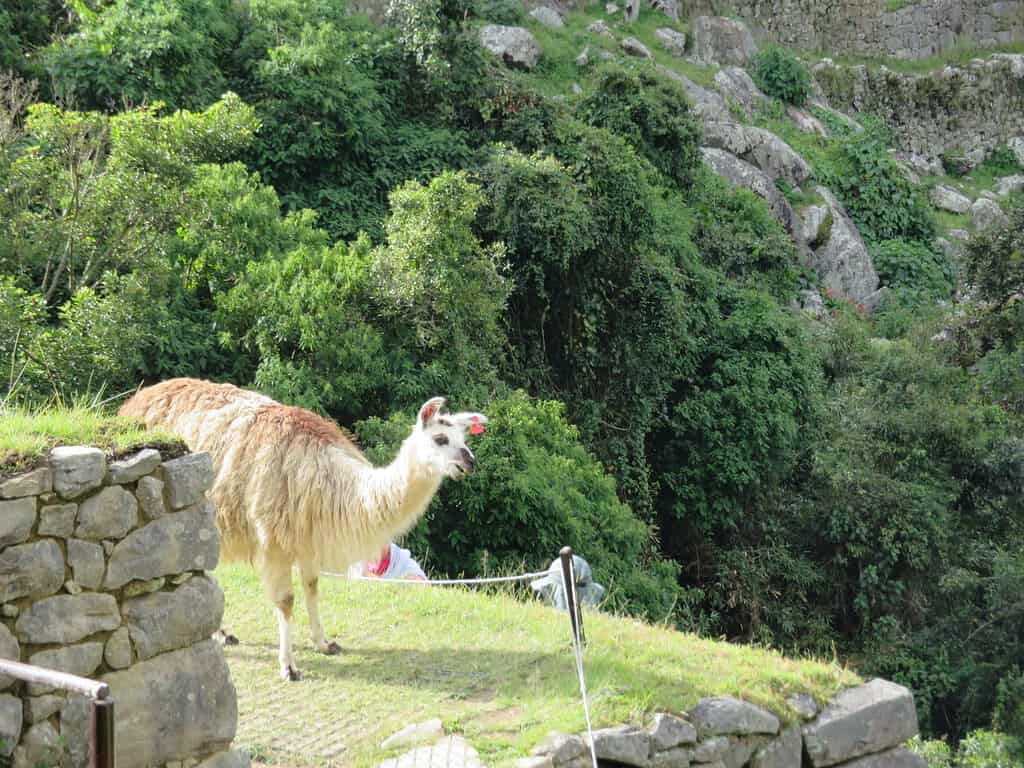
(276, 575)
(310, 585)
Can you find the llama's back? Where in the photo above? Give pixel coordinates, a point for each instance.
(258, 448)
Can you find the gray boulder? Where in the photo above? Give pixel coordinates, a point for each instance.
(633, 47)
(707, 105)
(449, 752)
(805, 121)
(736, 86)
(677, 757)
(669, 7)
(183, 541)
(16, 520)
(87, 563)
(515, 46)
(600, 28)
(82, 660)
(893, 758)
(188, 478)
(625, 745)
(761, 148)
(861, 721)
(803, 705)
(718, 40)
(166, 621)
(77, 469)
(548, 17)
(672, 41)
(986, 214)
(30, 483)
(57, 520)
(816, 225)
(724, 715)
(118, 651)
(631, 10)
(741, 750)
(1016, 145)
(669, 731)
(110, 514)
(740, 173)
(150, 493)
(561, 746)
(134, 467)
(711, 750)
(948, 199)
(10, 723)
(231, 758)
(1009, 184)
(843, 262)
(38, 708)
(785, 751)
(10, 649)
(174, 706)
(31, 570)
(67, 618)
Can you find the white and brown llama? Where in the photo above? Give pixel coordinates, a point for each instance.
(291, 488)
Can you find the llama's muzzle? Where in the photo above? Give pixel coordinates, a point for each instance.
(467, 461)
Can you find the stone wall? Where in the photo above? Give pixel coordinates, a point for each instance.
(953, 110)
(102, 574)
(862, 727)
(868, 27)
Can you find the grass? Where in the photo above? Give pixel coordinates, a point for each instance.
(26, 437)
(959, 54)
(492, 668)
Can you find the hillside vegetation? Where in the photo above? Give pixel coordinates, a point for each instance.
(354, 217)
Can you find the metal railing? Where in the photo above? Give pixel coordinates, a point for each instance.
(102, 720)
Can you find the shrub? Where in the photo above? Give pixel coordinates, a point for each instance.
(781, 75)
(507, 12)
(914, 267)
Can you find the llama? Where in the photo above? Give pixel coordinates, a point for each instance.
(291, 488)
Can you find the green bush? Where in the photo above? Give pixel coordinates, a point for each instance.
(914, 266)
(986, 749)
(508, 12)
(781, 75)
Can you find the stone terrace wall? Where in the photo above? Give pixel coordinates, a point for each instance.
(102, 574)
(956, 109)
(867, 27)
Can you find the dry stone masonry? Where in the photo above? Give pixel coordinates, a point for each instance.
(102, 574)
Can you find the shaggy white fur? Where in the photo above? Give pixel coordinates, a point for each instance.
(292, 488)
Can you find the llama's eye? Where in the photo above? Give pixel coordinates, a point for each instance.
(441, 439)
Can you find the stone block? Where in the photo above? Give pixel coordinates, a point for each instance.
(39, 708)
(450, 752)
(31, 570)
(719, 40)
(17, 517)
(711, 750)
(415, 733)
(40, 746)
(678, 757)
(803, 705)
(82, 660)
(76, 470)
(784, 751)
(561, 746)
(31, 483)
(669, 731)
(75, 720)
(87, 562)
(10, 649)
(672, 41)
(547, 16)
(183, 541)
(626, 745)
(110, 514)
(860, 721)
(150, 493)
(133, 468)
(515, 46)
(724, 715)
(166, 621)
(892, 758)
(10, 723)
(948, 199)
(118, 651)
(67, 618)
(230, 758)
(633, 47)
(57, 520)
(174, 706)
(186, 479)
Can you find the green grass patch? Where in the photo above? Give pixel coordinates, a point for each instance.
(959, 55)
(492, 667)
(26, 437)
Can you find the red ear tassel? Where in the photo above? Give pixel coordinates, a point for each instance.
(476, 429)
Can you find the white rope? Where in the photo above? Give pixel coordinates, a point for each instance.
(440, 582)
(577, 648)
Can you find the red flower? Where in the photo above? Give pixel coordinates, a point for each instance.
(830, 294)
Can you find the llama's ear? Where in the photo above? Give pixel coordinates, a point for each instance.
(429, 411)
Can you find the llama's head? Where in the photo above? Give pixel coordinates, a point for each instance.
(439, 439)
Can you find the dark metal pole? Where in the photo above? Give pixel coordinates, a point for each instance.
(575, 614)
(103, 733)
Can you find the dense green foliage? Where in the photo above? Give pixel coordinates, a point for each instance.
(781, 75)
(353, 218)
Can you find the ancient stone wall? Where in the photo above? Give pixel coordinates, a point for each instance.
(868, 27)
(102, 574)
(953, 110)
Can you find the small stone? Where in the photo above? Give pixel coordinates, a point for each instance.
(31, 570)
(10, 649)
(741, 749)
(57, 520)
(68, 618)
(785, 751)
(986, 214)
(188, 478)
(1016, 145)
(669, 731)
(10, 611)
(416, 733)
(118, 651)
(1009, 184)
(724, 715)
(584, 58)
(562, 747)
(548, 17)
(633, 47)
(600, 28)
(10, 723)
(111, 513)
(72, 588)
(678, 757)
(77, 469)
(16, 520)
(87, 563)
(181, 578)
(39, 708)
(138, 588)
(576, 89)
(959, 234)
(32, 483)
(108, 547)
(135, 467)
(803, 705)
(672, 41)
(948, 199)
(79, 660)
(625, 744)
(150, 493)
(711, 750)
(165, 621)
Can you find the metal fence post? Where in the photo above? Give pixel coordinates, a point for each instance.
(102, 733)
(575, 614)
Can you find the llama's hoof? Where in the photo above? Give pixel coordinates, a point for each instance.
(291, 674)
(331, 648)
(225, 638)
